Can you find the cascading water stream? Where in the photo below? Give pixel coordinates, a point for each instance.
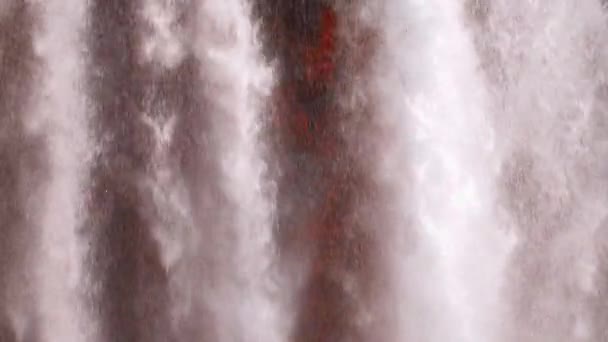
(546, 64)
(319, 170)
(232, 240)
(452, 273)
(60, 115)
(239, 82)
(20, 158)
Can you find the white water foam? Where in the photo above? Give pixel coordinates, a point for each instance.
(449, 279)
(549, 76)
(222, 265)
(163, 42)
(163, 49)
(247, 305)
(60, 114)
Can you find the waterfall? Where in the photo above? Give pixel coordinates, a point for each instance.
(24, 179)
(239, 83)
(228, 245)
(60, 115)
(546, 65)
(450, 276)
(319, 170)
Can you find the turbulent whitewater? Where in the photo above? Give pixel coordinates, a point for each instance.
(290, 170)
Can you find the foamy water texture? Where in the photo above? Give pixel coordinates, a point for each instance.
(320, 170)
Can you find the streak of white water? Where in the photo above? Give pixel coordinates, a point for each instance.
(60, 114)
(163, 44)
(239, 289)
(549, 69)
(451, 281)
(163, 48)
(247, 305)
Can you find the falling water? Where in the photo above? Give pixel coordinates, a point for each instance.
(546, 63)
(271, 170)
(451, 275)
(236, 238)
(60, 116)
(19, 160)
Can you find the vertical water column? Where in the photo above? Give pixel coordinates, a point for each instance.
(22, 169)
(546, 64)
(130, 289)
(450, 276)
(61, 116)
(370, 84)
(327, 244)
(175, 120)
(240, 290)
(191, 209)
